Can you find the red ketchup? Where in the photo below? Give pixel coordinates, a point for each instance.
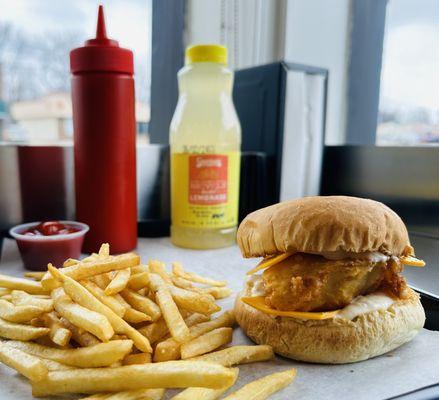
(48, 242)
(50, 228)
(105, 141)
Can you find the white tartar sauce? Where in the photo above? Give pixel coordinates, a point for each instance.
(373, 256)
(256, 285)
(365, 304)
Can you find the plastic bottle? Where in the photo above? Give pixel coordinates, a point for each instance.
(205, 138)
(105, 141)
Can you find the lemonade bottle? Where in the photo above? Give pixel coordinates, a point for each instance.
(205, 138)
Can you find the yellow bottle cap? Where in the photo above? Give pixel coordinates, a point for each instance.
(206, 53)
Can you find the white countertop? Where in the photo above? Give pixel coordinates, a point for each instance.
(410, 367)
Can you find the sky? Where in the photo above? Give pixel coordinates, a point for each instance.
(410, 70)
(410, 67)
(128, 21)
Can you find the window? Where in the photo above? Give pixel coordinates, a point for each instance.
(409, 102)
(35, 40)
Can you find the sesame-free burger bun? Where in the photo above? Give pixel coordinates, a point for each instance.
(336, 340)
(323, 224)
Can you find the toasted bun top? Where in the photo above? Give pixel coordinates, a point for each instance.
(323, 224)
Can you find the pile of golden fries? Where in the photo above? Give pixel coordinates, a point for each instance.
(113, 326)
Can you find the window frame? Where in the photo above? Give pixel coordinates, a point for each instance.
(364, 70)
(167, 57)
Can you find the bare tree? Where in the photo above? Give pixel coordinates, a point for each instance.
(52, 55)
(16, 80)
(34, 66)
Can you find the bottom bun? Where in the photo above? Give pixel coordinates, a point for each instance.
(335, 341)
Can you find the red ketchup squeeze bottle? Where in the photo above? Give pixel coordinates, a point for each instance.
(105, 141)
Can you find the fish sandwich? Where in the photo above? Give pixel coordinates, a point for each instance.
(329, 288)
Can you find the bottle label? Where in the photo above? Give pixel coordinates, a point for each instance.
(205, 190)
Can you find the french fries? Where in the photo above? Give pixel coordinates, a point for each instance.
(169, 349)
(158, 330)
(139, 268)
(172, 374)
(140, 394)
(217, 292)
(139, 281)
(157, 267)
(104, 250)
(28, 286)
(83, 338)
(10, 330)
(68, 263)
(119, 337)
(119, 282)
(12, 313)
(88, 328)
(84, 270)
(82, 296)
(101, 280)
(142, 304)
(99, 396)
(206, 343)
(131, 315)
(177, 269)
(139, 358)
(29, 366)
(261, 389)
(47, 342)
(92, 257)
(135, 317)
(190, 301)
(155, 331)
(21, 298)
(100, 355)
(89, 320)
(58, 333)
(171, 314)
(238, 355)
(54, 365)
(110, 301)
(227, 357)
(184, 283)
(204, 393)
(34, 275)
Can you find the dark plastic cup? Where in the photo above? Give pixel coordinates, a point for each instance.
(37, 251)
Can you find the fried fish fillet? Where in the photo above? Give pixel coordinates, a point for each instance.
(305, 282)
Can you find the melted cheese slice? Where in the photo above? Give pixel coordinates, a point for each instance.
(259, 303)
(267, 262)
(412, 261)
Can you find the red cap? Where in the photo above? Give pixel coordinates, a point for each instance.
(101, 53)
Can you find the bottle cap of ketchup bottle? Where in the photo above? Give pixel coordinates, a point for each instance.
(105, 141)
(101, 53)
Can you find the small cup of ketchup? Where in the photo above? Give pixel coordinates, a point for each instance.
(53, 242)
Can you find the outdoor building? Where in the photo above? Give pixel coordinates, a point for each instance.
(49, 119)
